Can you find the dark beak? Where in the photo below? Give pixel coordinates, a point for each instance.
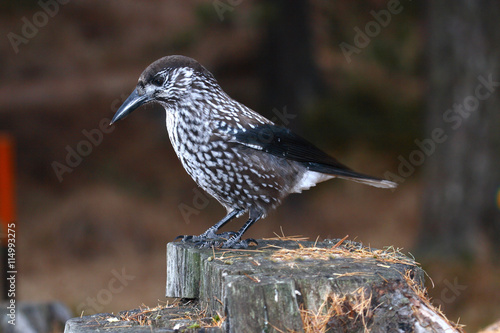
(131, 103)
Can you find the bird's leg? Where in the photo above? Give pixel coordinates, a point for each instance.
(235, 242)
(211, 233)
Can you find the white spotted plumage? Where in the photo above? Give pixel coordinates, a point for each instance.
(217, 141)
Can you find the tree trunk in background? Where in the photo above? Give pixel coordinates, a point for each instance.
(290, 76)
(463, 175)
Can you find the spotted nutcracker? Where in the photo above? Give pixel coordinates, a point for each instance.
(242, 159)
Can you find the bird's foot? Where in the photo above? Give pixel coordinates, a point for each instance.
(225, 240)
(208, 238)
(231, 243)
(237, 243)
(189, 238)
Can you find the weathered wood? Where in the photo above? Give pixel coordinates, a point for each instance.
(185, 285)
(161, 320)
(261, 306)
(257, 290)
(284, 286)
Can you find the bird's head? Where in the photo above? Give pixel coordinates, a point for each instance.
(166, 81)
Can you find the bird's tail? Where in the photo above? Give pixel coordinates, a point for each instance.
(343, 172)
(367, 180)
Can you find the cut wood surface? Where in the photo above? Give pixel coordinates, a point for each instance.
(285, 286)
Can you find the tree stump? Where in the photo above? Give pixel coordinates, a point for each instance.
(285, 286)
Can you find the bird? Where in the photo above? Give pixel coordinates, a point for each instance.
(245, 161)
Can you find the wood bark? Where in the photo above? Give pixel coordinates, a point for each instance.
(284, 286)
(463, 172)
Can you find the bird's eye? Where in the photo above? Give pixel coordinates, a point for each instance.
(158, 81)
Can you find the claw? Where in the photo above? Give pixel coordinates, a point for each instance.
(209, 234)
(251, 240)
(234, 243)
(225, 240)
(227, 235)
(207, 244)
(207, 237)
(188, 238)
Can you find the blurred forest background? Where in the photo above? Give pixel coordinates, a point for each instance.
(398, 89)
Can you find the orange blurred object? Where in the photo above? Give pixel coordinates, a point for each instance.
(7, 206)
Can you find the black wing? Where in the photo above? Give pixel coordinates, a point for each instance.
(282, 142)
